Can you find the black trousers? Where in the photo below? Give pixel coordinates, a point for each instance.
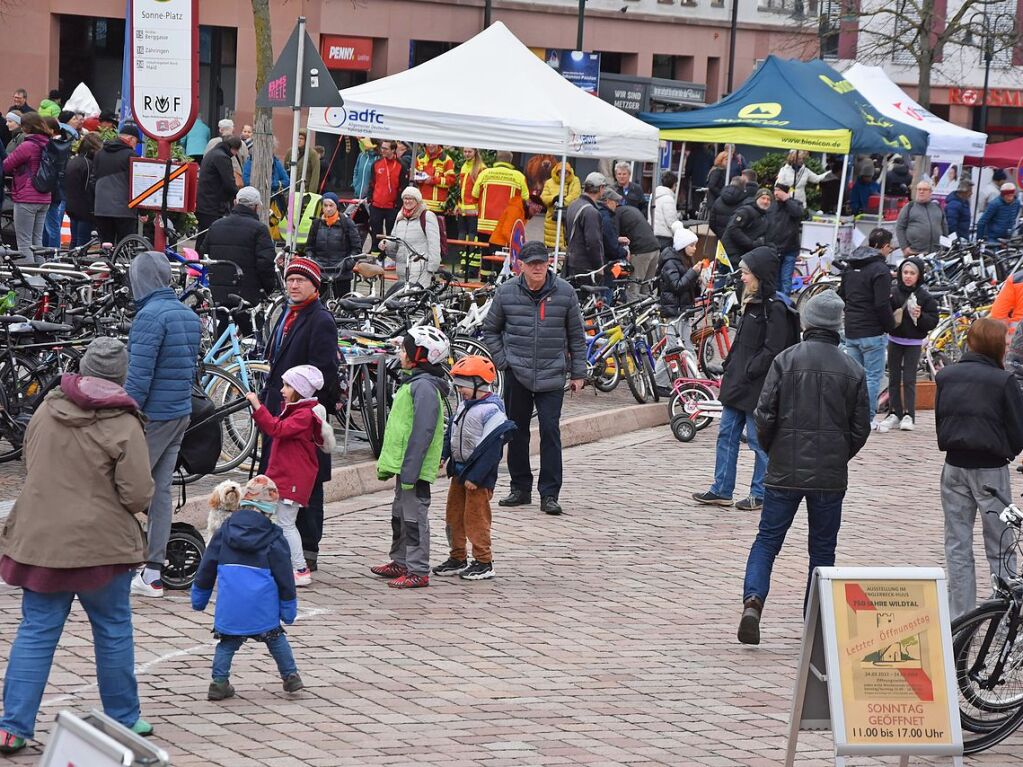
(115, 229)
(902, 364)
(520, 402)
(379, 218)
(310, 516)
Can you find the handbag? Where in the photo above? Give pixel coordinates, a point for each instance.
(202, 442)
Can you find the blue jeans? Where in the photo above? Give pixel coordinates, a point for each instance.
(824, 512)
(788, 266)
(51, 229)
(727, 454)
(278, 646)
(42, 622)
(81, 231)
(870, 353)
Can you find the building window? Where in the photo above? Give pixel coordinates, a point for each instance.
(421, 51)
(673, 67)
(611, 62)
(830, 20)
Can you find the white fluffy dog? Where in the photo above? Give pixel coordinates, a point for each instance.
(225, 499)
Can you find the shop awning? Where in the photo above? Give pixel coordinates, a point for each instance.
(490, 92)
(944, 138)
(1004, 154)
(792, 104)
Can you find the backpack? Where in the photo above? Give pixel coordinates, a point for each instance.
(442, 227)
(795, 330)
(52, 164)
(202, 442)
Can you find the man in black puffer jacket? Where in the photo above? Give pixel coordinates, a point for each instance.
(812, 419)
(784, 220)
(724, 207)
(748, 228)
(216, 184)
(245, 241)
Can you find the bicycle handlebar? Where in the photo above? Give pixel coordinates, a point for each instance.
(1010, 515)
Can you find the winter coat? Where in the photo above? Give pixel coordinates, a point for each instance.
(480, 467)
(812, 416)
(21, 165)
(784, 220)
(250, 563)
(81, 514)
(928, 319)
(860, 194)
(898, 179)
(585, 236)
(312, 340)
(279, 178)
(724, 208)
(549, 197)
(422, 233)
(613, 250)
(747, 230)
(217, 188)
(294, 452)
(920, 227)
(386, 182)
(679, 286)
(957, 214)
(763, 332)
(797, 178)
(244, 240)
(110, 169)
(538, 338)
(312, 173)
(999, 219)
(79, 188)
(163, 345)
(978, 413)
(664, 211)
(414, 435)
(363, 171)
(715, 185)
(441, 178)
(633, 224)
(866, 290)
(334, 246)
(632, 195)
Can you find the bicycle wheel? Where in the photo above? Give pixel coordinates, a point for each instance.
(129, 247)
(686, 401)
(812, 290)
(370, 406)
(989, 707)
(238, 431)
(713, 350)
(463, 346)
(607, 373)
(647, 370)
(634, 375)
(12, 429)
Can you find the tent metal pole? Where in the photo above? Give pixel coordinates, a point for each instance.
(838, 210)
(561, 206)
(678, 179)
(728, 165)
(976, 195)
(884, 180)
(296, 121)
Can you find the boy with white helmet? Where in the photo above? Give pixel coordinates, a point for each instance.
(413, 441)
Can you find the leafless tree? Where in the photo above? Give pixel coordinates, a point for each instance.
(262, 124)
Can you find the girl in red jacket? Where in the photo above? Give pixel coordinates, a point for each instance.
(299, 431)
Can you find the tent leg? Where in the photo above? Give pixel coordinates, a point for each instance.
(976, 195)
(297, 112)
(728, 165)
(678, 180)
(561, 203)
(838, 210)
(884, 180)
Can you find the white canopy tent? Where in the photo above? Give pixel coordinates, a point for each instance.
(513, 101)
(946, 139)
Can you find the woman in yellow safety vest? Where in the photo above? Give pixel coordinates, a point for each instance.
(467, 209)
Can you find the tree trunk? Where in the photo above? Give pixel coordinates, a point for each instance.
(924, 83)
(262, 127)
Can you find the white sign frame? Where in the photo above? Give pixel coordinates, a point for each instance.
(96, 740)
(145, 173)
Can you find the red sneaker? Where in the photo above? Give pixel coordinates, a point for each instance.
(391, 570)
(410, 581)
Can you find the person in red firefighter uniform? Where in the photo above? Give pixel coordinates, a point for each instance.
(386, 181)
(435, 176)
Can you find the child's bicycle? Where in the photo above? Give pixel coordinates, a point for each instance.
(693, 403)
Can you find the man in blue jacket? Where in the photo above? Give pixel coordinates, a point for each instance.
(957, 210)
(1000, 215)
(163, 348)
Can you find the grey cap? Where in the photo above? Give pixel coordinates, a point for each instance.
(824, 311)
(595, 180)
(534, 250)
(610, 194)
(105, 358)
(248, 196)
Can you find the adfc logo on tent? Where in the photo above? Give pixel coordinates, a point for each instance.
(764, 111)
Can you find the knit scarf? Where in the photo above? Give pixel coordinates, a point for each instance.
(332, 219)
(293, 312)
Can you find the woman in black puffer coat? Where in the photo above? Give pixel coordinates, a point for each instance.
(333, 243)
(916, 313)
(678, 284)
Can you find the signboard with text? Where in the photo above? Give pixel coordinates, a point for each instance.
(146, 184)
(347, 52)
(581, 68)
(164, 66)
(876, 664)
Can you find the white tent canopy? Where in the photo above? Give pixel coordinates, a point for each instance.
(946, 139)
(513, 101)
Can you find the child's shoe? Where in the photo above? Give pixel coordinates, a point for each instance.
(410, 581)
(303, 577)
(293, 683)
(10, 744)
(451, 567)
(478, 571)
(220, 690)
(391, 570)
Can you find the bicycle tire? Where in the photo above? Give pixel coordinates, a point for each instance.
(712, 358)
(462, 346)
(603, 380)
(812, 290)
(985, 622)
(12, 430)
(647, 372)
(369, 407)
(696, 391)
(129, 247)
(634, 377)
(383, 398)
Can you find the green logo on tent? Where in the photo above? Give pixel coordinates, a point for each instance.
(764, 111)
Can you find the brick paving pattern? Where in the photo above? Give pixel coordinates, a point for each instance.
(608, 637)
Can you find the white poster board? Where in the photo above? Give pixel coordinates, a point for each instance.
(96, 740)
(148, 175)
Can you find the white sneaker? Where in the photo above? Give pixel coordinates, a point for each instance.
(880, 426)
(891, 421)
(152, 590)
(303, 577)
(907, 423)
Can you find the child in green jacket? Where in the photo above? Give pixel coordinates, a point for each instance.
(413, 441)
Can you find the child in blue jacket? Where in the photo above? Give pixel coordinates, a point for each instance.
(252, 561)
(473, 447)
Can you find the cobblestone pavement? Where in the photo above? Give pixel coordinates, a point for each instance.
(608, 637)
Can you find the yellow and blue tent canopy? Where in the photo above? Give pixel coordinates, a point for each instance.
(791, 104)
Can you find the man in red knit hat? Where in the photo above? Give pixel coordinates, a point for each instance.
(306, 334)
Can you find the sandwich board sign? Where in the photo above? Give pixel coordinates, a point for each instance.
(96, 740)
(876, 667)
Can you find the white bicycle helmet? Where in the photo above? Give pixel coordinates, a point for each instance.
(433, 341)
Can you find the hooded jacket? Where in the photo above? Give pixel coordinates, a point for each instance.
(216, 182)
(334, 246)
(632, 196)
(664, 211)
(250, 559)
(724, 208)
(920, 227)
(613, 250)
(866, 290)
(585, 236)
(294, 454)
(784, 224)
(163, 345)
(422, 233)
(80, 187)
(763, 332)
(679, 286)
(999, 219)
(82, 514)
(363, 172)
(747, 230)
(244, 240)
(549, 196)
(110, 169)
(928, 319)
(957, 214)
(484, 446)
(21, 164)
(812, 416)
(538, 338)
(414, 435)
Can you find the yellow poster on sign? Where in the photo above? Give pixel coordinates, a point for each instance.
(891, 666)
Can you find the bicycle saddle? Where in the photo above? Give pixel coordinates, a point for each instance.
(10, 319)
(592, 288)
(368, 270)
(358, 304)
(39, 326)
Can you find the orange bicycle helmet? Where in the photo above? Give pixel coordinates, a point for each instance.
(472, 366)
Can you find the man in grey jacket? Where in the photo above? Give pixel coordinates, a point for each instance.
(921, 223)
(534, 331)
(585, 242)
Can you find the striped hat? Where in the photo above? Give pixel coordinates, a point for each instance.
(304, 267)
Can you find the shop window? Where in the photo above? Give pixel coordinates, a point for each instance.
(673, 67)
(421, 51)
(611, 62)
(91, 51)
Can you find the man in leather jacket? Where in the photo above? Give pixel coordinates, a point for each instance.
(812, 419)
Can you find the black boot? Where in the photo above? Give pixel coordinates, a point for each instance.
(749, 625)
(550, 505)
(516, 498)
